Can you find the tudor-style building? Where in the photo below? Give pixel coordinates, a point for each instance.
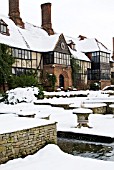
(57, 62)
(36, 48)
(99, 56)
(94, 61)
(42, 50)
(81, 63)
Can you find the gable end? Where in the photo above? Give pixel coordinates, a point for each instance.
(62, 46)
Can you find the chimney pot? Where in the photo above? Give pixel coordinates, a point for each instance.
(82, 37)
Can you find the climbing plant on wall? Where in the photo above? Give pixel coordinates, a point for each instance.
(51, 80)
(75, 71)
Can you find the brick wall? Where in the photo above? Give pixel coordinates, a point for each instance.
(25, 142)
(105, 83)
(66, 71)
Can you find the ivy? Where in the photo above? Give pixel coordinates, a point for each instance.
(75, 70)
(52, 80)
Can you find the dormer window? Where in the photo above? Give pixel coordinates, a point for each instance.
(3, 28)
(71, 44)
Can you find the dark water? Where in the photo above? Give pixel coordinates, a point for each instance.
(87, 149)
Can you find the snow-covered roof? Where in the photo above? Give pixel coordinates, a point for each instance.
(79, 55)
(84, 46)
(91, 45)
(87, 45)
(35, 38)
(32, 37)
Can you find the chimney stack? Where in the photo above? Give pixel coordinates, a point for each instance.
(82, 37)
(46, 18)
(14, 13)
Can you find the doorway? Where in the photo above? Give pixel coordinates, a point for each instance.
(61, 81)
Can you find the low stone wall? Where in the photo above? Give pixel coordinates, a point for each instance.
(25, 142)
(100, 110)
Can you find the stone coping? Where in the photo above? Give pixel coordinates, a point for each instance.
(25, 113)
(111, 105)
(82, 111)
(86, 137)
(99, 100)
(14, 123)
(94, 105)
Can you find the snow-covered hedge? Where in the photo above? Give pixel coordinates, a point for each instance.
(18, 95)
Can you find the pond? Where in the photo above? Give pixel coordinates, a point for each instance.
(94, 150)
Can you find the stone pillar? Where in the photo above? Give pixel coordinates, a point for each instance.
(46, 18)
(14, 13)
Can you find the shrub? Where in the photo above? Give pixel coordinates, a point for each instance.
(22, 80)
(94, 86)
(40, 93)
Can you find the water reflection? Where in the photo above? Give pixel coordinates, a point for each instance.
(87, 149)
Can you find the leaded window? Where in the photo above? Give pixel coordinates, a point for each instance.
(61, 58)
(22, 54)
(3, 28)
(56, 58)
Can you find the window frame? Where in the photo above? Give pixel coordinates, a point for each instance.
(3, 28)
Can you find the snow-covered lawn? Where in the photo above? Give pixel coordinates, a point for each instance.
(51, 157)
(67, 121)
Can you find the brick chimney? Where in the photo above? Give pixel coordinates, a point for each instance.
(14, 13)
(46, 18)
(82, 37)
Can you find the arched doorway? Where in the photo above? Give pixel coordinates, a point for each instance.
(61, 81)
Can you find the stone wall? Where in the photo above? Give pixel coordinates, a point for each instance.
(25, 142)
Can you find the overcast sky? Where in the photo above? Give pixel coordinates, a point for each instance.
(91, 18)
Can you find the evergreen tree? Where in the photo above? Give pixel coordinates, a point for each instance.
(6, 61)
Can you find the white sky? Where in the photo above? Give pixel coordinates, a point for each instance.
(91, 18)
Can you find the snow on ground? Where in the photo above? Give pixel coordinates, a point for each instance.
(68, 93)
(67, 121)
(11, 123)
(52, 158)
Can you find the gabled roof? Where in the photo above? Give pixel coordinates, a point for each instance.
(35, 38)
(88, 45)
(79, 55)
(91, 45)
(31, 38)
